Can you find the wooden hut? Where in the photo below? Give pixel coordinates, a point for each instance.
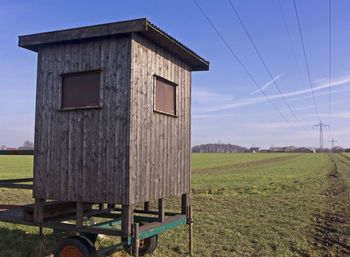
(113, 114)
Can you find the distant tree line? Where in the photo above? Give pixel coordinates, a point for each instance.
(229, 148)
(218, 148)
(28, 145)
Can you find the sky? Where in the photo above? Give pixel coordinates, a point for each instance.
(226, 105)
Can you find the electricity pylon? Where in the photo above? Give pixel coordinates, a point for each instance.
(333, 141)
(321, 125)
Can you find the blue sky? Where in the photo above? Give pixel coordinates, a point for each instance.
(225, 103)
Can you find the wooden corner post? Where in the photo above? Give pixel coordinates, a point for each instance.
(39, 213)
(127, 220)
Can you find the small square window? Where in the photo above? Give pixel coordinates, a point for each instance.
(81, 90)
(165, 96)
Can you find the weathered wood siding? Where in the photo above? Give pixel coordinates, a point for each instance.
(83, 155)
(159, 144)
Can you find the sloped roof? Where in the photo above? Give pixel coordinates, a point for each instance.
(143, 26)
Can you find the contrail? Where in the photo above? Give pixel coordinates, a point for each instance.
(268, 84)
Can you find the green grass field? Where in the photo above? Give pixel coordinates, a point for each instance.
(244, 205)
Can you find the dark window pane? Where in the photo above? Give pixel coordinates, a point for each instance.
(165, 96)
(81, 89)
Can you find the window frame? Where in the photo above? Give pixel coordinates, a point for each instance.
(170, 83)
(87, 107)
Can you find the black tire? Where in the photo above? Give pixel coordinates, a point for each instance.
(78, 244)
(147, 246)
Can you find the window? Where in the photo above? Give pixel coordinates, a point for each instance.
(81, 90)
(165, 96)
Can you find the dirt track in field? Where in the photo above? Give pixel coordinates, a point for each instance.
(245, 164)
(331, 231)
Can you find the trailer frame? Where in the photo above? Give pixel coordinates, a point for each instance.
(145, 224)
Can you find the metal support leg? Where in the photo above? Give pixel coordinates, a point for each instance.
(161, 214)
(190, 231)
(185, 202)
(146, 206)
(79, 214)
(136, 244)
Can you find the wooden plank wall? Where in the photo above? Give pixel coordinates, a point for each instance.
(83, 155)
(159, 144)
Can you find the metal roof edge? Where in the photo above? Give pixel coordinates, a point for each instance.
(204, 64)
(143, 25)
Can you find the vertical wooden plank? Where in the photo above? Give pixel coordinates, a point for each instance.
(165, 134)
(186, 134)
(76, 136)
(50, 129)
(86, 63)
(39, 190)
(154, 177)
(44, 128)
(172, 134)
(138, 105)
(78, 130)
(103, 124)
(94, 130)
(127, 161)
(146, 124)
(152, 145)
(117, 175)
(184, 127)
(177, 130)
(121, 115)
(144, 131)
(57, 151)
(159, 140)
(133, 124)
(111, 118)
(65, 136)
(188, 170)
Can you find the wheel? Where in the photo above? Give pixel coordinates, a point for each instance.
(76, 246)
(147, 246)
(89, 221)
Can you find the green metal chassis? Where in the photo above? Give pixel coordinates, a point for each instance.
(149, 226)
(143, 235)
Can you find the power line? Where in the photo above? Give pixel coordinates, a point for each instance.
(240, 62)
(264, 63)
(290, 42)
(305, 58)
(330, 59)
